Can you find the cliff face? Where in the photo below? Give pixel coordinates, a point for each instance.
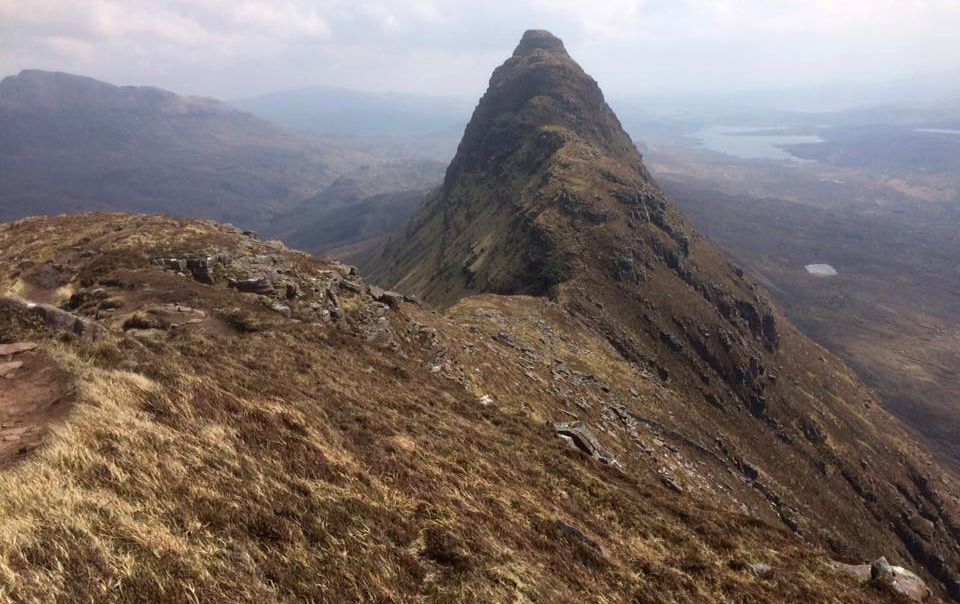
(547, 196)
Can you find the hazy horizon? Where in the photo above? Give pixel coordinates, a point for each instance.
(834, 53)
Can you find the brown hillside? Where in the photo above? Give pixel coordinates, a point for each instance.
(245, 423)
(548, 196)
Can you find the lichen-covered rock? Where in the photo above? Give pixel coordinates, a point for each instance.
(899, 578)
(580, 437)
(61, 320)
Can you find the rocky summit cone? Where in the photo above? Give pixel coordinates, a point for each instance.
(548, 196)
(493, 216)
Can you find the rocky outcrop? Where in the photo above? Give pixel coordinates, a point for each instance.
(579, 436)
(203, 268)
(60, 320)
(881, 571)
(7, 350)
(8, 366)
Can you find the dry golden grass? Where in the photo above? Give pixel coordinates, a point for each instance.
(302, 463)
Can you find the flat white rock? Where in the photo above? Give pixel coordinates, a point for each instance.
(821, 270)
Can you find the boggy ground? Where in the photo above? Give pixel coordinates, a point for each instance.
(326, 446)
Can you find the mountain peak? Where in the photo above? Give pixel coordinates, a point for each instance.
(538, 94)
(525, 143)
(539, 39)
(547, 196)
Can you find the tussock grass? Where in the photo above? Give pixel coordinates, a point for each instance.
(184, 486)
(302, 463)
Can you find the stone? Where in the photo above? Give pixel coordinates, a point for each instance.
(899, 578)
(87, 329)
(264, 285)
(760, 569)
(6, 369)
(578, 536)
(670, 483)
(387, 297)
(200, 268)
(282, 309)
(625, 271)
(351, 286)
(881, 571)
(87, 296)
(861, 572)
(392, 299)
(16, 348)
(174, 264)
(910, 585)
(342, 269)
(61, 320)
(580, 437)
(922, 526)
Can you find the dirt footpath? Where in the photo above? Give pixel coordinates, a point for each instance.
(32, 394)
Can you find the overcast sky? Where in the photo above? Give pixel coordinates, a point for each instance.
(236, 48)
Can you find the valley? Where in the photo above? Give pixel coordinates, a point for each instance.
(74, 144)
(891, 311)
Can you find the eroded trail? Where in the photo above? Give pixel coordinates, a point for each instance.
(33, 394)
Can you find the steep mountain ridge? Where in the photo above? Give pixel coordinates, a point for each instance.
(548, 196)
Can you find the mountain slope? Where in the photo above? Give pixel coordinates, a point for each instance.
(362, 205)
(72, 143)
(548, 196)
(243, 423)
(329, 110)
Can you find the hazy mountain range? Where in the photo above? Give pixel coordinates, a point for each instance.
(338, 111)
(74, 144)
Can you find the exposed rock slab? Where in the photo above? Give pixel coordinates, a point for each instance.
(61, 320)
(16, 348)
(9, 367)
(902, 580)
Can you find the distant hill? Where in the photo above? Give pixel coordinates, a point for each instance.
(368, 203)
(72, 143)
(338, 111)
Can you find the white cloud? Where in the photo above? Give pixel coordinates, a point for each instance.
(236, 47)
